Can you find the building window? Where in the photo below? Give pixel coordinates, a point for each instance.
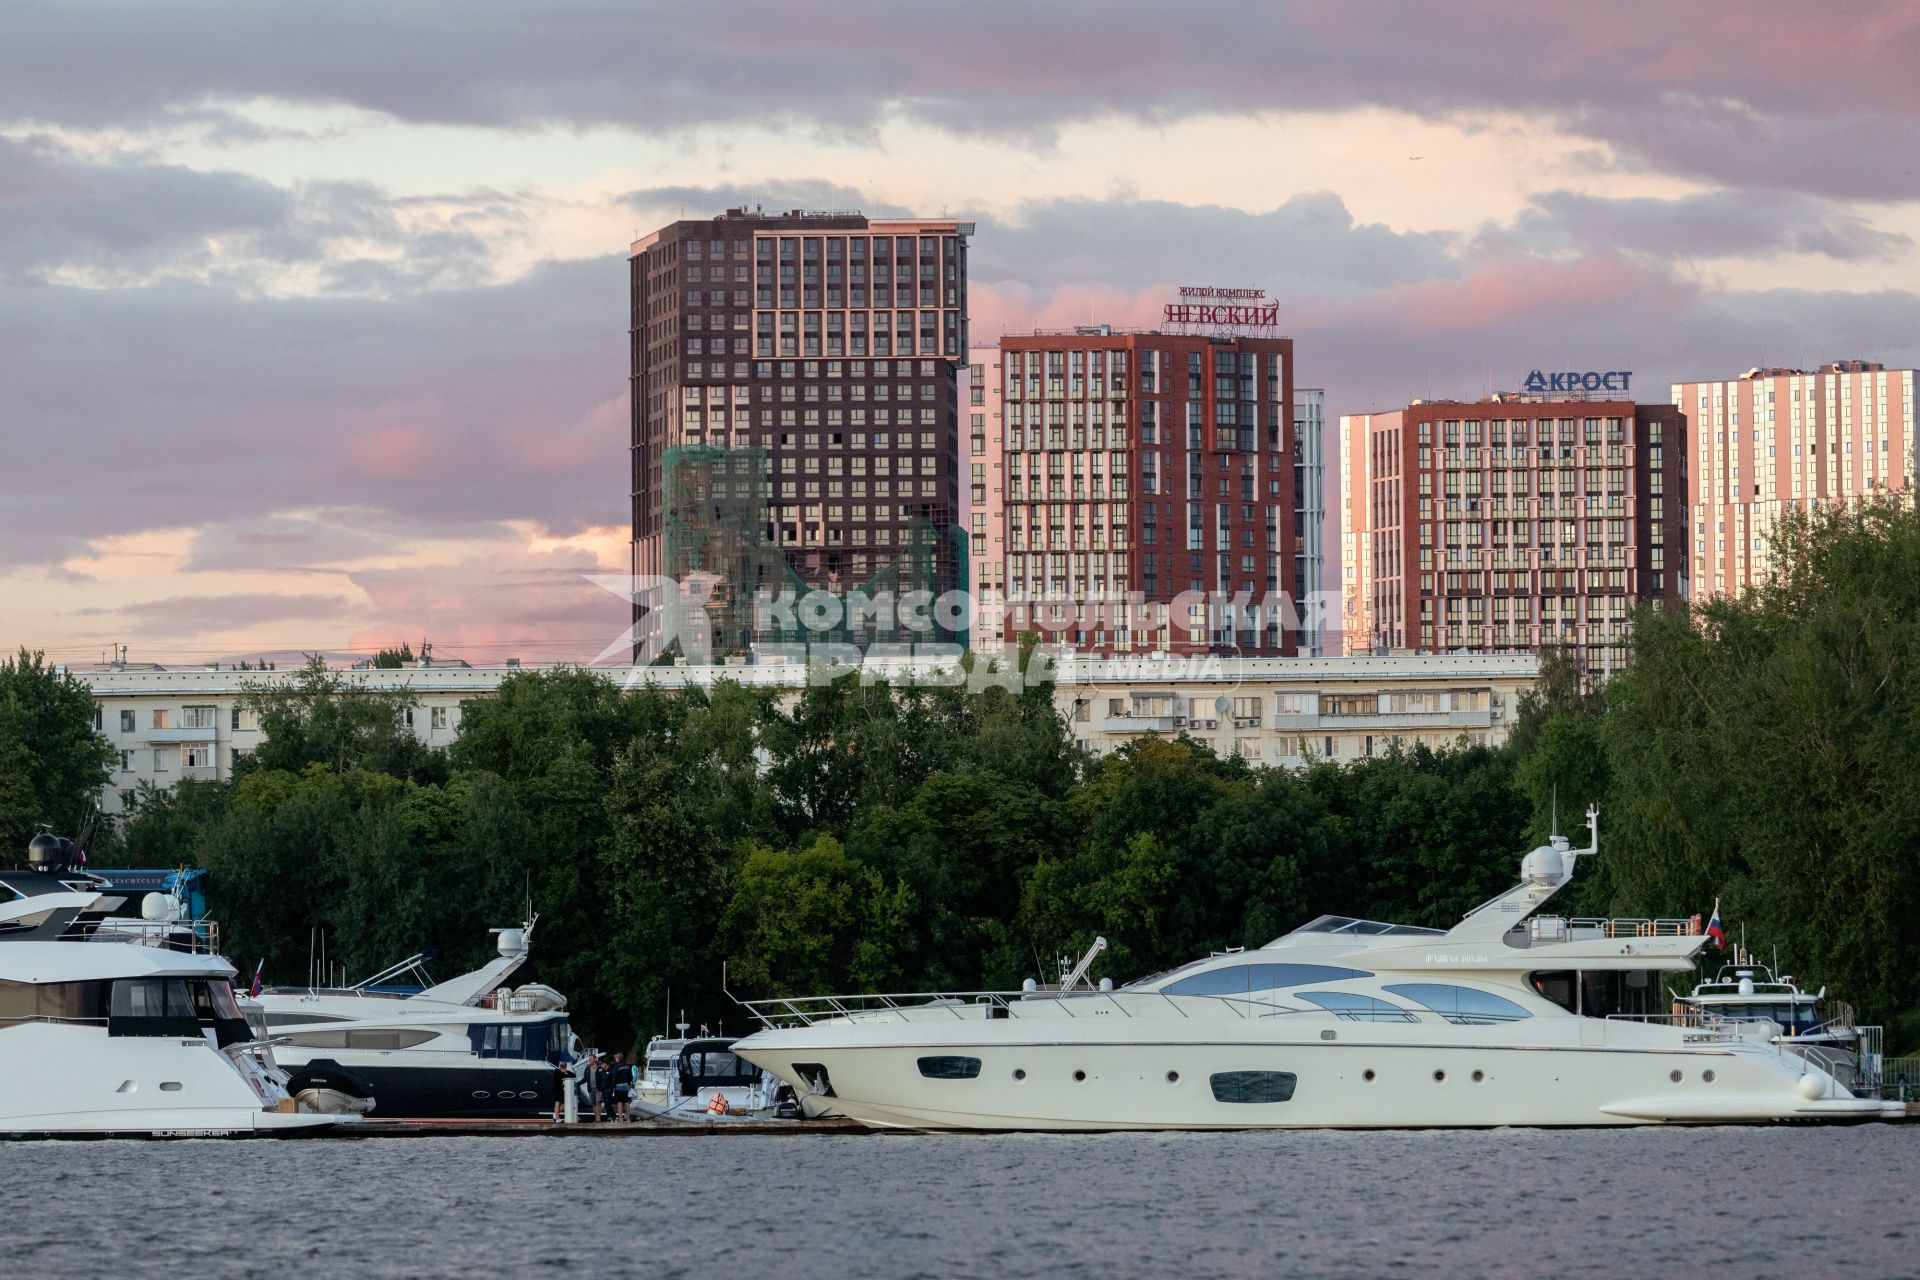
(126, 722)
(196, 755)
(439, 718)
(245, 719)
(197, 718)
(160, 719)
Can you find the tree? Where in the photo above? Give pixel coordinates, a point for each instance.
(393, 659)
(53, 761)
(319, 717)
(814, 921)
(1765, 750)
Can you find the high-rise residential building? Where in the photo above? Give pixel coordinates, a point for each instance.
(1310, 511)
(1150, 500)
(1775, 439)
(986, 500)
(795, 416)
(1510, 524)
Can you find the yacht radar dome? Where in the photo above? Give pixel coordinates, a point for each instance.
(513, 942)
(161, 908)
(1543, 866)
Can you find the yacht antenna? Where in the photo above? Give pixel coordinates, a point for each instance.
(1556, 810)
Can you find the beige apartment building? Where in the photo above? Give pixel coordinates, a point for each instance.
(169, 724)
(1772, 440)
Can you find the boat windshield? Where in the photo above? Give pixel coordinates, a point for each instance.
(1351, 925)
(1798, 1017)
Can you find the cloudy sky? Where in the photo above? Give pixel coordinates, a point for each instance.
(312, 324)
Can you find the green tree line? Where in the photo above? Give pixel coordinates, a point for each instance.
(1759, 750)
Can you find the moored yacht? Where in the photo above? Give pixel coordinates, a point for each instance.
(1508, 1018)
(464, 1048)
(700, 1079)
(122, 1028)
(1747, 993)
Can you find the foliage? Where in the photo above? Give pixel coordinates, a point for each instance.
(321, 717)
(862, 836)
(393, 659)
(53, 762)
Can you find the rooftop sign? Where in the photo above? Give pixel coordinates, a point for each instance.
(1576, 380)
(1229, 308)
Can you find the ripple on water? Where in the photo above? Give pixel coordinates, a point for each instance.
(1495, 1203)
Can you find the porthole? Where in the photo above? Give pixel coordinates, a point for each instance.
(1478, 1076)
(170, 1086)
(1707, 1076)
(1674, 1076)
(1439, 1076)
(1367, 1074)
(1173, 1077)
(1019, 1073)
(1079, 1076)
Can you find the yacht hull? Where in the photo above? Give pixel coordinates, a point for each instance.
(1174, 1077)
(129, 1086)
(496, 1089)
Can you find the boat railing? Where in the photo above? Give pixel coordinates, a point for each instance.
(1562, 929)
(199, 937)
(963, 1005)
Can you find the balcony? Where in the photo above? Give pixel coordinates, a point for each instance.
(1408, 720)
(181, 735)
(1144, 724)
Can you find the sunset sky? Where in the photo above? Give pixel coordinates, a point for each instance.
(313, 325)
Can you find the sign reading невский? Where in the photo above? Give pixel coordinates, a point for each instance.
(1203, 304)
(1576, 380)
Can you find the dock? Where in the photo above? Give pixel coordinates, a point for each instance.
(399, 1128)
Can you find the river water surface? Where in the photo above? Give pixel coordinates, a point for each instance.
(1683, 1203)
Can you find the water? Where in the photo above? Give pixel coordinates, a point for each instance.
(1521, 1203)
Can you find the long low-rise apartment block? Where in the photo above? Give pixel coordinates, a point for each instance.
(169, 724)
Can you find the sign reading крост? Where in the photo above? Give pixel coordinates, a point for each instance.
(1204, 304)
(1578, 380)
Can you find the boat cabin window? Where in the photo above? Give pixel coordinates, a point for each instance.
(153, 1007)
(712, 1066)
(1602, 993)
(950, 1068)
(1464, 1005)
(1252, 1086)
(1369, 928)
(64, 1001)
(387, 1038)
(536, 1041)
(1800, 1017)
(1358, 1008)
(1241, 979)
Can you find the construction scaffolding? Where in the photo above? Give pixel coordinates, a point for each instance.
(722, 531)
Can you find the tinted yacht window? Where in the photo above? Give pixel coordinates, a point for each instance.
(1239, 979)
(1358, 1008)
(1460, 1004)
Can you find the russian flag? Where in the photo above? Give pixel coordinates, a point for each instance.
(1716, 930)
(255, 989)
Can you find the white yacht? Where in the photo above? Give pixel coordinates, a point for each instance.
(1798, 1021)
(464, 1048)
(1508, 1018)
(122, 1028)
(701, 1079)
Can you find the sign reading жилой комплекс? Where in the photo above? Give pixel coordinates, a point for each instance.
(1206, 304)
(1579, 380)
